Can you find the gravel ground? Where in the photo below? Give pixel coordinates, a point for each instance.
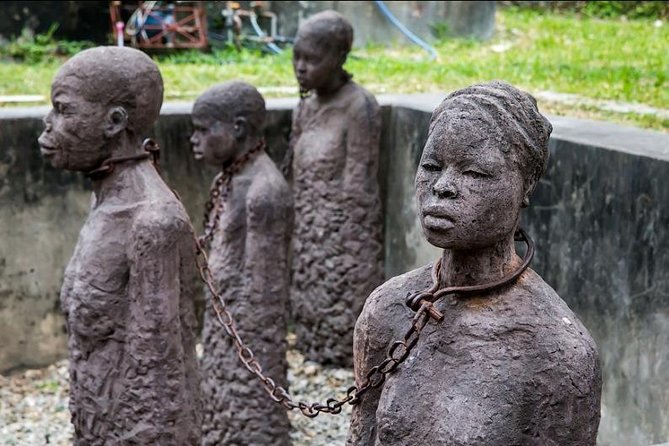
(33, 405)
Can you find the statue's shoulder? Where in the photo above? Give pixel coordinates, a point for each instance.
(268, 186)
(361, 101)
(160, 218)
(386, 305)
(559, 332)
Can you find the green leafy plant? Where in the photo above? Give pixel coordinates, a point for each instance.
(37, 48)
(440, 30)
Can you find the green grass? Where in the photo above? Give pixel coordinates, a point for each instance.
(613, 59)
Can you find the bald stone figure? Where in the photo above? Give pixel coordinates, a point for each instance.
(337, 245)
(248, 227)
(513, 366)
(127, 294)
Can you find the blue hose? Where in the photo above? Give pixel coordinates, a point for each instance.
(271, 45)
(399, 25)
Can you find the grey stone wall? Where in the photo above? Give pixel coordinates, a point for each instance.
(600, 218)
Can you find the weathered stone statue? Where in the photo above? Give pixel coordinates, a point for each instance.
(127, 294)
(248, 225)
(337, 249)
(511, 366)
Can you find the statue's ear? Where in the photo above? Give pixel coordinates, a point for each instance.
(241, 128)
(116, 121)
(342, 58)
(529, 189)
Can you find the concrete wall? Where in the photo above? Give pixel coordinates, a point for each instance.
(600, 218)
(426, 19)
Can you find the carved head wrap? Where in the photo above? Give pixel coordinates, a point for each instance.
(511, 121)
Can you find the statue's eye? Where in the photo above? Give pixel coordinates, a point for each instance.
(473, 173)
(430, 167)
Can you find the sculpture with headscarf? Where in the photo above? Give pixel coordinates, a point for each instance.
(509, 366)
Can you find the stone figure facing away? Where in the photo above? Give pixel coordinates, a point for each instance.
(337, 247)
(127, 291)
(511, 366)
(248, 224)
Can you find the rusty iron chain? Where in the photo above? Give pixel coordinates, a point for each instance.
(375, 377)
(421, 302)
(151, 150)
(220, 190)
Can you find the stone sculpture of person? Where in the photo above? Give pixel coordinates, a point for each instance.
(248, 225)
(511, 366)
(127, 291)
(337, 247)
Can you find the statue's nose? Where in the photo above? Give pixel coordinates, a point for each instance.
(445, 189)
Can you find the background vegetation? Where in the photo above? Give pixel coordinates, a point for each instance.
(600, 51)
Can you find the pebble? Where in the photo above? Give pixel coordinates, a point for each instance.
(34, 405)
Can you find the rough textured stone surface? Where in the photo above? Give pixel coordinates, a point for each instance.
(337, 245)
(512, 366)
(248, 258)
(126, 295)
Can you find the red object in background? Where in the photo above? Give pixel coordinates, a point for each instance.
(155, 25)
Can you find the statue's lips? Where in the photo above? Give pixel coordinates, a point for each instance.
(47, 151)
(434, 220)
(198, 154)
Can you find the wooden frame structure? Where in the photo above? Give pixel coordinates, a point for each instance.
(152, 25)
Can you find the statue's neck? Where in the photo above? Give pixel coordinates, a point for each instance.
(333, 86)
(124, 183)
(249, 144)
(478, 266)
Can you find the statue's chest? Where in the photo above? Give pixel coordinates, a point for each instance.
(227, 247)
(95, 291)
(460, 386)
(232, 216)
(322, 141)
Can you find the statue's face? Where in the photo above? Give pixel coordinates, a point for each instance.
(74, 133)
(313, 64)
(213, 140)
(469, 194)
